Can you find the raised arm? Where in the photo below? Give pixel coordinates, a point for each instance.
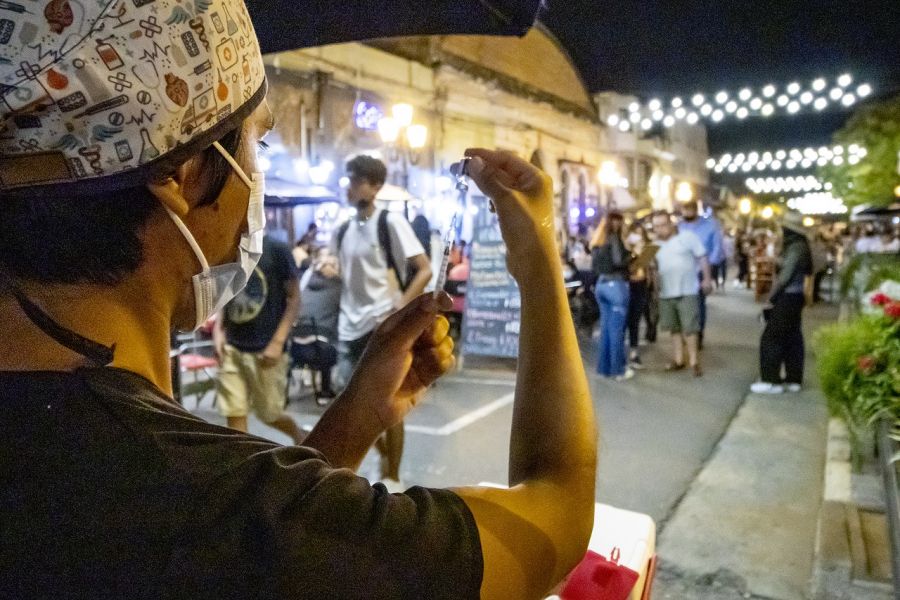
(533, 534)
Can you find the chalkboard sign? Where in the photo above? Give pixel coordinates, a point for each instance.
(493, 304)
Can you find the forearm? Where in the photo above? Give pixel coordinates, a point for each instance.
(286, 324)
(553, 434)
(417, 285)
(705, 269)
(345, 432)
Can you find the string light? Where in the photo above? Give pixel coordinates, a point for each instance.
(789, 159)
(818, 203)
(817, 95)
(778, 185)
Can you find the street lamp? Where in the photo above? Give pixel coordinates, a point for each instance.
(405, 139)
(608, 176)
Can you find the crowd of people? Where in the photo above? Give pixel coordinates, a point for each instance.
(690, 257)
(658, 272)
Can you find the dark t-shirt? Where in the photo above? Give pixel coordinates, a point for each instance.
(110, 490)
(611, 259)
(252, 318)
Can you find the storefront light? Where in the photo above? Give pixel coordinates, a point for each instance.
(389, 130)
(417, 136)
(403, 114)
(609, 173)
(684, 192)
(745, 206)
(767, 213)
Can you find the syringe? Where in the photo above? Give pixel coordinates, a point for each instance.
(449, 239)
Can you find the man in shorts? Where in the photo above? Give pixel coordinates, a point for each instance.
(250, 338)
(681, 255)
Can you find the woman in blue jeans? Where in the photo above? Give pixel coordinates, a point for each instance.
(610, 263)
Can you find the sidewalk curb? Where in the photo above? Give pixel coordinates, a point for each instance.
(840, 568)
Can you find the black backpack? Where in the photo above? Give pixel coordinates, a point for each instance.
(384, 240)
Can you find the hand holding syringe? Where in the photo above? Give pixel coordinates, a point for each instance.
(458, 170)
(449, 239)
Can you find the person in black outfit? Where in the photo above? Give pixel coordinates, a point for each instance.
(743, 258)
(782, 339)
(639, 295)
(610, 262)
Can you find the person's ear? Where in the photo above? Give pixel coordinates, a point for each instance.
(170, 191)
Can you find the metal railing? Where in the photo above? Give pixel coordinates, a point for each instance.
(886, 451)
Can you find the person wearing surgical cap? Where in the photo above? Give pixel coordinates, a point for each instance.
(131, 204)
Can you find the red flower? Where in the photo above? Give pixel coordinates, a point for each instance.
(866, 364)
(892, 310)
(880, 299)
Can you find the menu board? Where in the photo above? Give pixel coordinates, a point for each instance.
(493, 305)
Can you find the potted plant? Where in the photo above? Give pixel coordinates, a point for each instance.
(859, 367)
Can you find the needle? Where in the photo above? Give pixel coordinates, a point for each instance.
(449, 239)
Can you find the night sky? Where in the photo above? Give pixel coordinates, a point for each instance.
(667, 47)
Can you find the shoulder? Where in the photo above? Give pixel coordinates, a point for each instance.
(397, 221)
(693, 241)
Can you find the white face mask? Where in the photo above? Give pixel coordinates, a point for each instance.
(634, 239)
(215, 286)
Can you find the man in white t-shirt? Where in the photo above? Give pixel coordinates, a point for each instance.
(681, 255)
(383, 268)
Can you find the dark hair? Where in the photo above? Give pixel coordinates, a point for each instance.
(370, 169)
(88, 239)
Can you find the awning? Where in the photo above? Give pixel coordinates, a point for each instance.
(291, 24)
(873, 213)
(280, 192)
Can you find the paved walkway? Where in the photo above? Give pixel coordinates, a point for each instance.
(747, 525)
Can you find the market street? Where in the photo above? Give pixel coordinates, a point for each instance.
(657, 430)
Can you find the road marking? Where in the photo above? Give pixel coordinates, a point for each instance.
(506, 382)
(465, 420)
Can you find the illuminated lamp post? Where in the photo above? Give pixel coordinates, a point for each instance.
(684, 192)
(608, 176)
(405, 141)
(745, 207)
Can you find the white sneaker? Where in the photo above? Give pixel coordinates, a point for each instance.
(762, 387)
(793, 387)
(393, 486)
(628, 374)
